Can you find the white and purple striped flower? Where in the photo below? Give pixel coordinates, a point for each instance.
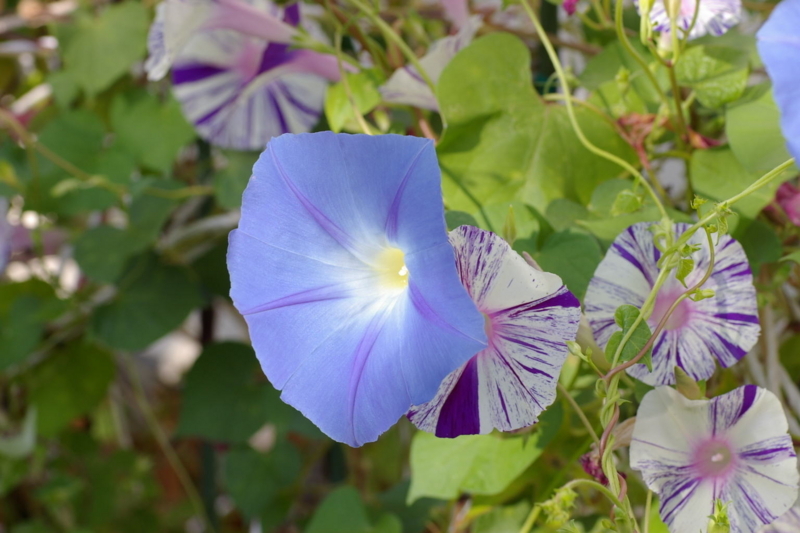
(177, 21)
(734, 448)
(529, 316)
(697, 335)
(789, 522)
(241, 89)
(406, 86)
(714, 17)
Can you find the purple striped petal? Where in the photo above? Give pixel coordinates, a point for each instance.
(241, 91)
(779, 47)
(342, 269)
(406, 86)
(714, 17)
(734, 448)
(529, 316)
(698, 335)
(178, 21)
(789, 522)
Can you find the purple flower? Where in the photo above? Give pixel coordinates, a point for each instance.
(714, 17)
(342, 269)
(529, 316)
(406, 86)
(789, 522)
(697, 335)
(788, 197)
(570, 6)
(779, 47)
(733, 448)
(240, 90)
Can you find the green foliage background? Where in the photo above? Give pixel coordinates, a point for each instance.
(91, 441)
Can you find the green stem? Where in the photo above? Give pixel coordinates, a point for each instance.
(647, 503)
(626, 43)
(577, 408)
(571, 112)
(391, 35)
(531, 520)
(676, 95)
(759, 183)
(163, 442)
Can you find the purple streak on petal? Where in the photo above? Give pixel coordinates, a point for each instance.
(324, 222)
(394, 208)
(250, 20)
(459, 414)
(275, 55)
(291, 14)
(193, 73)
(424, 309)
(748, 397)
(279, 113)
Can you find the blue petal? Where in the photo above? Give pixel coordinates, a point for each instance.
(348, 353)
(779, 47)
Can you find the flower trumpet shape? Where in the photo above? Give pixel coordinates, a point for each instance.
(342, 269)
(713, 17)
(529, 316)
(734, 448)
(697, 335)
(240, 87)
(779, 47)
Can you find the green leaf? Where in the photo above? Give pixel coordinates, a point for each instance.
(685, 267)
(563, 214)
(102, 252)
(101, 49)
(342, 511)
(626, 202)
(221, 399)
(455, 219)
(572, 255)
(254, 479)
(503, 143)
(150, 130)
(503, 519)
(794, 256)
(154, 299)
(230, 182)
(70, 383)
(754, 132)
(717, 74)
(718, 175)
(625, 316)
(605, 66)
(477, 464)
(364, 90)
(761, 245)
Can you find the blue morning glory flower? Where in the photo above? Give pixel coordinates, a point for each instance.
(779, 47)
(342, 268)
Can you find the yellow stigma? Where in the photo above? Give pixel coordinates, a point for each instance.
(391, 265)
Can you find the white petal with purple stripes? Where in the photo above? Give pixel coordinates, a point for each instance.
(240, 91)
(177, 21)
(734, 448)
(698, 335)
(529, 316)
(789, 522)
(714, 17)
(406, 86)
